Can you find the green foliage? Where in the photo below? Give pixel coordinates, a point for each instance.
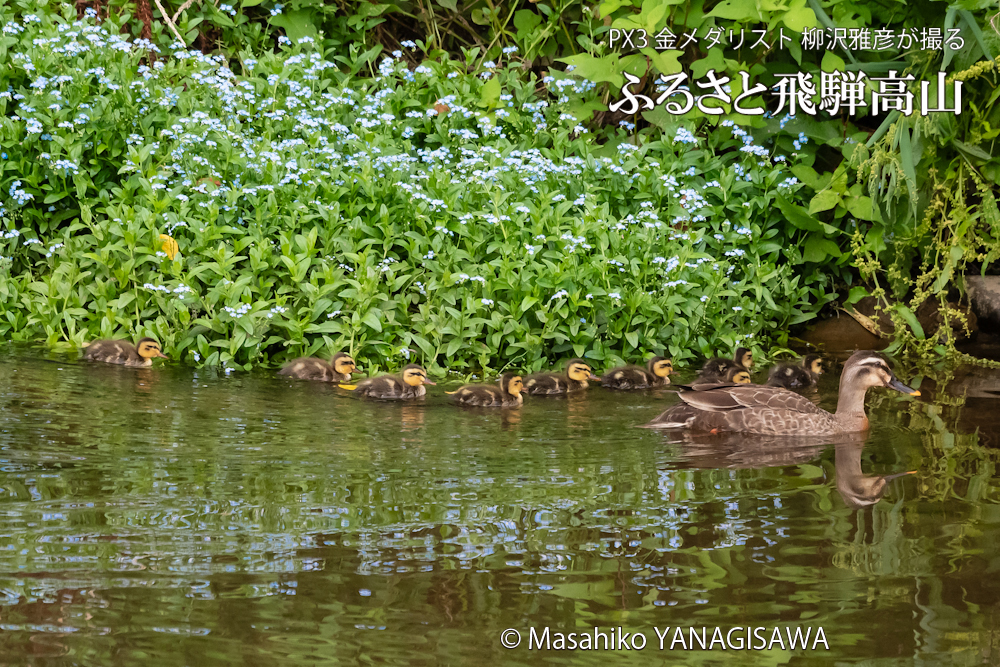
(465, 215)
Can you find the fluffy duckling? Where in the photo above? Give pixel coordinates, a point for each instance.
(716, 369)
(123, 353)
(655, 374)
(792, 376)
(553, 384)
(409, 384)
(735, 375)
(309, 368)
(506, 395)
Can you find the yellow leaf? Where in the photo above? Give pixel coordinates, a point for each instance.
(348, 387)
(169, 246)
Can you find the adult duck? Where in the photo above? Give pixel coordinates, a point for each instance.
(726, 408)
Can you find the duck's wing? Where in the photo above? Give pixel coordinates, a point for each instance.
(724, 397)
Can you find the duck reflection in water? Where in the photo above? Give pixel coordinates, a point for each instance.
(740, 451)
(857, 489)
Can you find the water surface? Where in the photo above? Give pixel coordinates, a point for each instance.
(179, 517)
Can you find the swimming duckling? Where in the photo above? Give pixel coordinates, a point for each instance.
(552, 384)
(123, 353)
(793, 376)
(776, 411)
(735, 375)
(738, 375)
(309, 368)
(716, 369)
(655, 374)
(409, 384)
(507, 395)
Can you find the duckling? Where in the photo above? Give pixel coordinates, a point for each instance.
(737, 375)
(409, 384)
(792, 376)
(309, 368)
(507, 395)
(716, 369)
(553, 384)
(777, 411)
(123, 353)
(655, 374)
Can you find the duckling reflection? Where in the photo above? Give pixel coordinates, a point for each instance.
(411, 417)
(857, 489)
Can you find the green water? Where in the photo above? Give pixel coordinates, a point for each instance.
(181, 517)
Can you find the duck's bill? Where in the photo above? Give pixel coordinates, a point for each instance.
(358, 369)
(161, 355)
(889, 478)
(899, 386)
(594, 377)
(426, 381)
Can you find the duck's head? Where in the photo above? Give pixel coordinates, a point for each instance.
(867, 369)
(344, 364)
(660, 367)
(512, 384)
(580, 370)
(738, 376)
(813, 363)
(149, 349)
(744, 358)
(415, 375)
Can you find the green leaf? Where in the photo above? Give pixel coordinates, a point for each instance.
(633, 338)
(297, 23)
(832, 62)
(371, 318)
(860, 207)
(856, 294)
(526, 21)
(800, 18)
(818, 248)
(906, 159)
(490, 92)
(797, 215)
(970, 21)
(824, 201)
(737, 10)
(911, 320)
(965, 149)
(599, 70)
